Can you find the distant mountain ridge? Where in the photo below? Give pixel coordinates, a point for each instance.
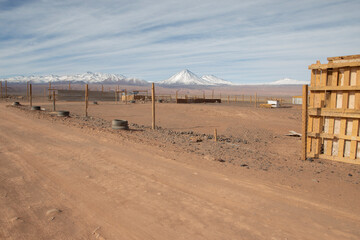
(188, 78)
(88, 77)
(185, 78)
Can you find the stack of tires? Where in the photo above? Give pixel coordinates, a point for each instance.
(120, 124)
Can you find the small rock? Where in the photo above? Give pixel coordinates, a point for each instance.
(52, 211)
(350, 175)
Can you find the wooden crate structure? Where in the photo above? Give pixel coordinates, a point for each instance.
(333, 130)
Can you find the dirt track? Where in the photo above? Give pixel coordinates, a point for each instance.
(109, 187)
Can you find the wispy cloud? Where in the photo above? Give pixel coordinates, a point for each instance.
(253, 41)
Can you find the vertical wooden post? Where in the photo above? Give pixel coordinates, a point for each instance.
(125, 96)
(49, 90)
(228, 99)
(1, 92)
(255, 100)
(30, 92)
(5, 88)
(153, 105)
(212, 94)
(53, 95)
(86, 99)
(102, 88)
(215, 135)
(304, 121)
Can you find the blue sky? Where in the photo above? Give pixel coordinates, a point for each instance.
(240, 41)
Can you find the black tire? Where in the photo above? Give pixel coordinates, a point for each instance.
(63, 113)
(36, 108)
(16, 104)
(118, 122)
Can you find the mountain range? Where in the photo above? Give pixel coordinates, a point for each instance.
(185, 78)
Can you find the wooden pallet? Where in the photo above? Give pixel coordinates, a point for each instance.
(332, 127)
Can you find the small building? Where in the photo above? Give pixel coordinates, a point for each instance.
(274, 103)
(296, 100)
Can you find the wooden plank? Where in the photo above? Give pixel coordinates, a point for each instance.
(334, 65)
(331, 136)
(317, 78)
(304, 121)
(348, 57)
(338, 159)
(355, 130)
(323, 78)
(334, 88)
(335, 76)
(342, 141)
(348, 113)
(313, 78)
(353, 73)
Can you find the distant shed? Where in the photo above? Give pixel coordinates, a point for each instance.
(296, 100)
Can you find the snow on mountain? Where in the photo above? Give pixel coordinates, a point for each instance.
(215, 80)
(186, 77)
(287, 81)
(88, 77)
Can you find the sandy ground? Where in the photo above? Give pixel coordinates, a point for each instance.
(75, 178)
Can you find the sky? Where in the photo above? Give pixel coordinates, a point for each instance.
(254, 41)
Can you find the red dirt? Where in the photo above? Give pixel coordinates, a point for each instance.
(75, 178)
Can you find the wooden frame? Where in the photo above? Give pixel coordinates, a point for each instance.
(332, 128)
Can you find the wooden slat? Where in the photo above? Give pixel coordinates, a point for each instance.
(349, 57)
(339, 159)
(354, 134)
(323, 78)
(334, 65)
(334, 88)
(326, 112)
(332, 136)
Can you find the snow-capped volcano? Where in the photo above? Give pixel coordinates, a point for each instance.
(88, 77)
(215, 80)
(187, 77)
(287, 81)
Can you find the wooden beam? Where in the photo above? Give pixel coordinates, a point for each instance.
(30, 93)
(304, 121)
(153, 105)
(86, 99)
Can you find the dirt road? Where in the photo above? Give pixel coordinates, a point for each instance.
(63, 182)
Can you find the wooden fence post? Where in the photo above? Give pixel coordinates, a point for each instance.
(255, 100)
(1, 92)
(30, 92)
(215, 135)
(153, 105)
(54, 100)
(49, 90)
(86, 99)
(212, 94)
(125, 96)
(5, 88)
(304, 121)
(228, 99)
